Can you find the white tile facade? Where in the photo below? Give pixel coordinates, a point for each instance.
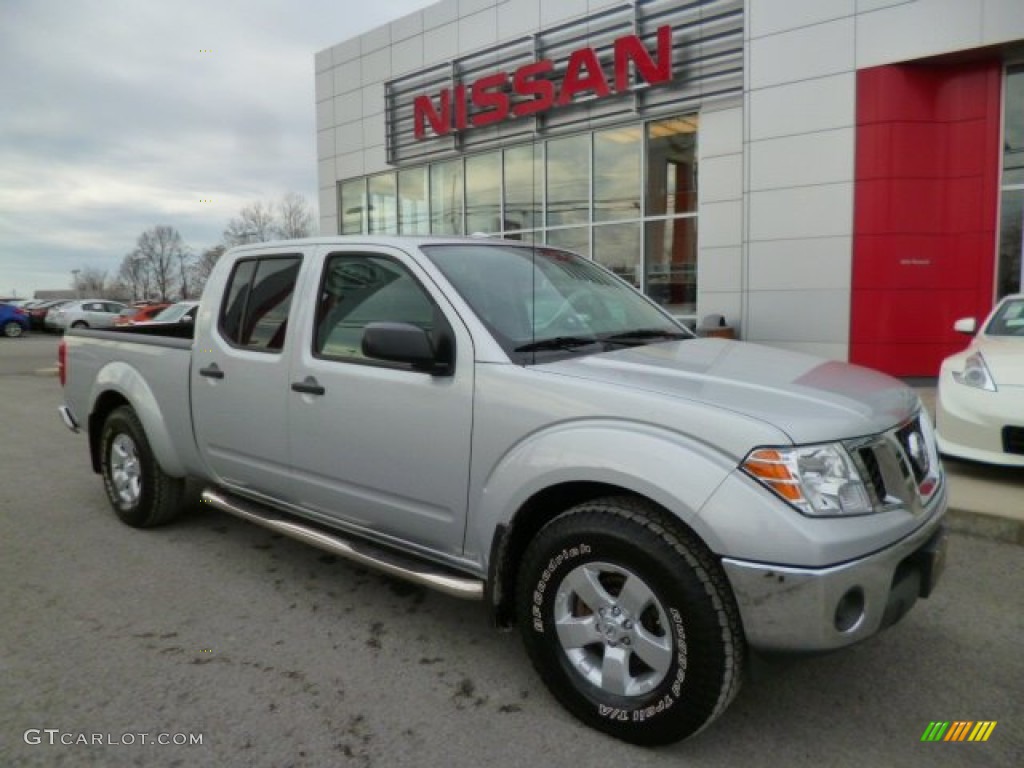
(776, 168)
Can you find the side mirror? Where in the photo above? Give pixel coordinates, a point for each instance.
(405, 343)
(966, 325)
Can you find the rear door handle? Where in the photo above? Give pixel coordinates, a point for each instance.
(212, 371)
(308, 386)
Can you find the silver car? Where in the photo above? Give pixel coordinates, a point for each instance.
(84, 313)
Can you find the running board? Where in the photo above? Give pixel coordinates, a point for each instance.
(393, 564)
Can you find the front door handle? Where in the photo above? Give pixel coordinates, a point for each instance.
(308, 386)
(212, 371)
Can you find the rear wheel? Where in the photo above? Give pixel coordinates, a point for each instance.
(80, 324)
(630, 621)
(140, 492)
(12, 329)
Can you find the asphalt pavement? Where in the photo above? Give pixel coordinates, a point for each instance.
(275, 654)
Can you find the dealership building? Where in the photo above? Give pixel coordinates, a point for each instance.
(842, 177)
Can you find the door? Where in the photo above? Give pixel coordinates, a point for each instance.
(378, 445)
(240, 377)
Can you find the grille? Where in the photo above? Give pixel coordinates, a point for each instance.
(914, 449)
(873, 473)
(1013, 440)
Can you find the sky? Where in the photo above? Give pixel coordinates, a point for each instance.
(120, 115)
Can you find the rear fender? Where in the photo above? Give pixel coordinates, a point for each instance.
(121, 378)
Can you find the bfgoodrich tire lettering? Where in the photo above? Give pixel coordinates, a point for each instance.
(141, 494)
(630, 621)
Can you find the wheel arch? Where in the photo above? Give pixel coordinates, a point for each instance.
(511, 540)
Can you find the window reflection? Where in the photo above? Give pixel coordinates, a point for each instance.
(446, 198)
(575, 239)
(1013, 135)
(568, 180)
(524, 187)
(1011, 242)
(671, 167)
(352, 205)
(413, 194)
(671, 260)
(617, 247)
(483, 193)
(617, 156)
(382, 211)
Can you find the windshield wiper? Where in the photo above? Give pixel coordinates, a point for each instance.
(640, 335)
(558, 342)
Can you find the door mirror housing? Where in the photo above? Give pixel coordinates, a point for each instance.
(966, 325)
(405, 343)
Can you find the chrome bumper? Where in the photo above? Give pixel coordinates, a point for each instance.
(802, 609)
(68, 418)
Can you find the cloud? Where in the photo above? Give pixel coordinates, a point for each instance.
(119, 115)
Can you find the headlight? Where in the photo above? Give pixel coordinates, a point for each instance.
(975, 374)
(819, 480)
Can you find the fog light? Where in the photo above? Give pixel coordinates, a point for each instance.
(850, 609)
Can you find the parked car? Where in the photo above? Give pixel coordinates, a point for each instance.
(179, 312)
(979, 409)
(13, 321)
(518, 425)
(37, 312)
(85, 313)
(140, 313)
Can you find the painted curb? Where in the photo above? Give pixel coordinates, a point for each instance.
(986, 526)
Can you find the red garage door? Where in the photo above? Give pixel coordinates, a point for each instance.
(925, 210)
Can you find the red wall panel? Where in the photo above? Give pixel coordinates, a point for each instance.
(924, 210)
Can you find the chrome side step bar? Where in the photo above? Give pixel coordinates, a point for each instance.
(393, 564)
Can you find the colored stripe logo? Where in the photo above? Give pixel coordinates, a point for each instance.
(959, 730)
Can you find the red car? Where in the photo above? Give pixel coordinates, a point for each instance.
(142, 314)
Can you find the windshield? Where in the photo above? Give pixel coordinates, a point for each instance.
(1008, 320)
(542, 303)
(173, 313)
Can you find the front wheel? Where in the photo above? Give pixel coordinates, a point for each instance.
(80, 324)
(141, 494)
(630, 621)
(13, 330)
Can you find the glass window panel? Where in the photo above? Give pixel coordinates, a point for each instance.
(671, 167)
(1013, 139)
(353, 203)
(671, 261)
(524, 187)
(617, 247)
(266, 312)
(617, 156)
(575, 239)
(1011, 243)
(383, 208)
(233, 307)
(568, 179)
(413, 195)
(483, 193)
(359, 290)
(446, 198)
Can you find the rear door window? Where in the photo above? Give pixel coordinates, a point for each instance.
(254, 313)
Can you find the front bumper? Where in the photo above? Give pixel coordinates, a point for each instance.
(969, 422)
(817, 609)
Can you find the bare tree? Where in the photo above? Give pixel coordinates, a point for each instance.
(204, 265)
(295, 216)
(90, 282)
(134, 273)
(163, 249)
(186, 266)
(254, 224)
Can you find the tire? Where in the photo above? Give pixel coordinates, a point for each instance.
(13, 330)
(80, 324)
(620, 576)
(142, 495)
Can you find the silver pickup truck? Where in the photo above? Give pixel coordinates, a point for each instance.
(514, 423)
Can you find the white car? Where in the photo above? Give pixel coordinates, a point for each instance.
(979, 410)
(84, 313)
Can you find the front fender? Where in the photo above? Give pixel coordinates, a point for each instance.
(127, 382)
(672, 470)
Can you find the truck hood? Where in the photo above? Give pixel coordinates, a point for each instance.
(809, 398)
